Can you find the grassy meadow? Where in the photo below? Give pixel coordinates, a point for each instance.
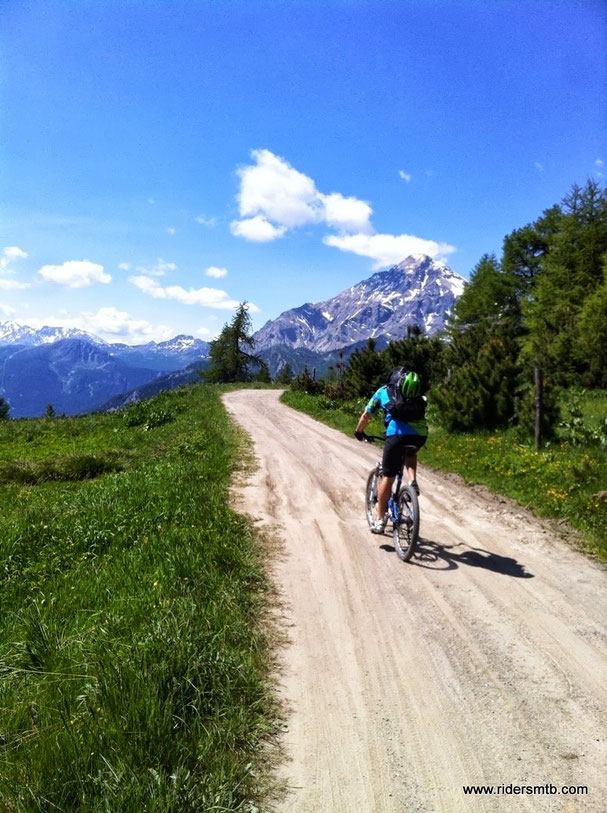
(134, 650)
(563, 481)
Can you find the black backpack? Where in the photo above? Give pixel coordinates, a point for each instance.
(401, 408)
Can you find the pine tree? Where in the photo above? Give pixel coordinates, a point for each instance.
(481, 353)
(365, 372)
(285, 374)
(4, 409)
(49, 412)
(229, 361)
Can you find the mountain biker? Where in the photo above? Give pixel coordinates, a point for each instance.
(399, 435)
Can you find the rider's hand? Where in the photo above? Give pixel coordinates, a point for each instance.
(359, 435)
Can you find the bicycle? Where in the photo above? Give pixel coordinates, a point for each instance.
(403, 507)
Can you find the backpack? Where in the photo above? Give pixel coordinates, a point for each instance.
(401, 408)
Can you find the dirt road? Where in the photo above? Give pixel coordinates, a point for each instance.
(482, 662)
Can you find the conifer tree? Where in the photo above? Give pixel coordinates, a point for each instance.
(285, 374)
(229, 361)
(4, 409)
(365, 372)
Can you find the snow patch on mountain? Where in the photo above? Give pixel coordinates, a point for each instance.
(418, 291)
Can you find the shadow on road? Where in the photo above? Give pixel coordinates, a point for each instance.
(434, 556)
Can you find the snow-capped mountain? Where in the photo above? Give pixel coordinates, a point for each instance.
(419, 291)
(12, 333)
(77, 371)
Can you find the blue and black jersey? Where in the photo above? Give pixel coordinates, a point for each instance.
(380, 401)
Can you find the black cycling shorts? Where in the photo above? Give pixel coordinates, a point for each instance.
(395, 452)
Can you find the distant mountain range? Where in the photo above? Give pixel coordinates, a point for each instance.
(418, 291)
(78, 372)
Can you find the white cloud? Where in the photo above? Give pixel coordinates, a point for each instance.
(171, 230)
(217, 273)
(124, 266)
(539, 166)
(599, 163)
(387, 249)
(13, 285)
(346, 214)
(204, 297)
(203, 331)
(75, 273)
(206, 221)
(151, 201)
(110, 324)
(10, 253)
(256, 229)
(159, 269)
(275, 197)
(7, 310)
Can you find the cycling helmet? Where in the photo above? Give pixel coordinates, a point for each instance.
(410, 385)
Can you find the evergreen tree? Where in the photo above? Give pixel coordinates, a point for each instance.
(592, 334)
(285, 374)
(229, 361)
(365, 372)
(49, 412)
(4, 409)
(481, 353)
(571, 271)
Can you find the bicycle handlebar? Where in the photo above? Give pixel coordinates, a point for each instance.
(373, 438)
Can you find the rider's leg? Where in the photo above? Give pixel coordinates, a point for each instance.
(411, 464)
(383, 495)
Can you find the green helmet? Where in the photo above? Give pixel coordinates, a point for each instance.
(410, 385)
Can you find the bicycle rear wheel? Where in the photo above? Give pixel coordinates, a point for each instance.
(405, 532)
(371, 496)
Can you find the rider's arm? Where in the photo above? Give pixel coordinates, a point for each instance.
(363, 421)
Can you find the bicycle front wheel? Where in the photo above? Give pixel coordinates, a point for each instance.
(371, 496)
(405, 532)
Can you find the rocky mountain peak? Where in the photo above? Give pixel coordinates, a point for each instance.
(418, 290)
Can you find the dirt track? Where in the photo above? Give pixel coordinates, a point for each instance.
(482, 662)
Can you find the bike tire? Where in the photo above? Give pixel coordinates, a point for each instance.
(371, 496)
(406, 532)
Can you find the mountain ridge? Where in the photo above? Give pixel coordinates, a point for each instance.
(418, 290)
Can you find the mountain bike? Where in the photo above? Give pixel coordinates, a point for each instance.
(403, 507)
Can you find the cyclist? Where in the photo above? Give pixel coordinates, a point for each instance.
(403, 386)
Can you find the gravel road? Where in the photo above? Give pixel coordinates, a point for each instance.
(481, 662)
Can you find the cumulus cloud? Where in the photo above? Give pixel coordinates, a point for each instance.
(124, 266)
(110, 324)
(171, 230)
(8, 255)
(7, 310)
(217, 273)
(75, 274)
(599, 163)
(275, 197)
(346, 214)
(203, 331)
(256, 229)
(387, 249)
(204, 297)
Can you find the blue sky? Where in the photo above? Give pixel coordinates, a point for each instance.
(161, 161)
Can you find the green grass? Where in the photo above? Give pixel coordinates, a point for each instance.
(560, 481)
(134, 649)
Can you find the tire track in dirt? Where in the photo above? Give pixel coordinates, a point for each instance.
(482, 662)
